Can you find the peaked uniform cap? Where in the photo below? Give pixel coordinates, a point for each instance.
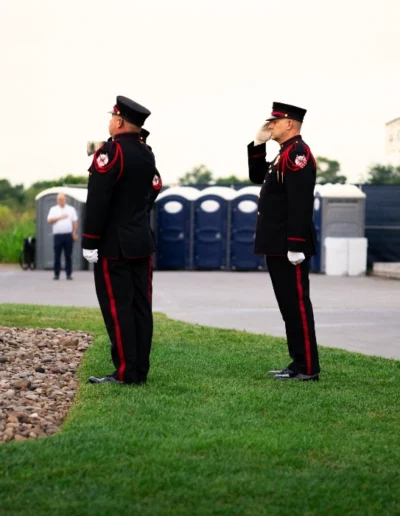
(280, 110)
(130, 111)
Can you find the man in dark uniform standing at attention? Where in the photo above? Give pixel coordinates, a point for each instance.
(285, 231)
(118, 240)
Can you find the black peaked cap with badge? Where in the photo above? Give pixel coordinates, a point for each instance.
(130, 111)
(280, 110)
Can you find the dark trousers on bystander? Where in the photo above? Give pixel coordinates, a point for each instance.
(63, 242)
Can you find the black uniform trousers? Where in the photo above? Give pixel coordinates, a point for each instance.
(292, 290)
(124, 290)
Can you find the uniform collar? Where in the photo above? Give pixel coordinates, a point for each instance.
(127, 136)
(291, 140)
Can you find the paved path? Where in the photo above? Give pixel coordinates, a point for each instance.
(359, 314)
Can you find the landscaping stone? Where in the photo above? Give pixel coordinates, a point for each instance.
(34, 397)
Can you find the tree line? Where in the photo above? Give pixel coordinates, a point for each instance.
(21, 199)
(328, 171)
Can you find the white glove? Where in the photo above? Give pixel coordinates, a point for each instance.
(263, 134)
(295, 258)
(91, 255)
(92, 147)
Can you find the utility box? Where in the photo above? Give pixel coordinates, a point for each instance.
(345, 256)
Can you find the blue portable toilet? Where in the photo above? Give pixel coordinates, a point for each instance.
(174, 208)
(211, 228)
(243, 221)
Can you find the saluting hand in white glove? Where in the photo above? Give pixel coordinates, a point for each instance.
(295, 258)
(263, 134)
(91, 255)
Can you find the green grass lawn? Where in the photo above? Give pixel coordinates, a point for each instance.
(210, 433)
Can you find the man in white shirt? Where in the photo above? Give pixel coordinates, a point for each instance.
(64, 219)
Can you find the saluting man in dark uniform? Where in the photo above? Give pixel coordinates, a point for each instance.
(285, 231)
(117, 238)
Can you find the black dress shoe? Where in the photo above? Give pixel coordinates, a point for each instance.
(70, 278)
(56, 278)
(291, 375)
(285, 370)
(104, 379)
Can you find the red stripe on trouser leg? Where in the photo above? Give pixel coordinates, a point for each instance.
(149, 285)
(303, 319)
(114, 315)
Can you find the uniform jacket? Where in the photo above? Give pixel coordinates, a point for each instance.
(122, 179)
(285, 206)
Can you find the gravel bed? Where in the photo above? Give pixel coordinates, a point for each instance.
(37, 379)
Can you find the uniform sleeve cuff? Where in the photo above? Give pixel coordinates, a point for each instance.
(257, 151)
(90, 241)
(296, 244)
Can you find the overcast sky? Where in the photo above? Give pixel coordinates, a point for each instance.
(209, 72)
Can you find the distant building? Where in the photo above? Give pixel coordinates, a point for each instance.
(393, 137)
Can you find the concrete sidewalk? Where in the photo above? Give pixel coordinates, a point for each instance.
(358, 314)
(387, 270)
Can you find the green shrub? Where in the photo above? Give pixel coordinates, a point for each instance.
(7, 218)
(13, 230)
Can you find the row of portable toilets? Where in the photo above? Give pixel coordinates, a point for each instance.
(214, 228)
(209, 229)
